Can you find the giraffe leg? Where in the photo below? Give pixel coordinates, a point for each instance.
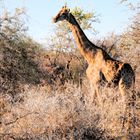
(95, 87)
(126, 108)
(92, 93)
(92, 97)
(94, 78)
(97, 93)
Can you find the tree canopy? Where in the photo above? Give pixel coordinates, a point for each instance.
(62, 39)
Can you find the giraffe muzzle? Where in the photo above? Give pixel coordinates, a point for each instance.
(55, 19)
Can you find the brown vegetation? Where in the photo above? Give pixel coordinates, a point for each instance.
(42, 98)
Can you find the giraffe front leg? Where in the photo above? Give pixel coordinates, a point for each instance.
(97, 93)
(92, 94)
(93, 75)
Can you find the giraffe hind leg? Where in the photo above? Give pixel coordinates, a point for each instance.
(124, 96)
(126, 83)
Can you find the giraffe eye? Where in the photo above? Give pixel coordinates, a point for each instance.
(64, 15)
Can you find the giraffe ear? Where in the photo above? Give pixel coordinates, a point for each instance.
(63, 7)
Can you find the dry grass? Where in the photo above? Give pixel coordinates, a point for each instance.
(44, 98)
(66, 114)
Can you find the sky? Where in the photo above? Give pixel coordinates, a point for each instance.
(113, 16)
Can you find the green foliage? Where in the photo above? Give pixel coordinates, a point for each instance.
(85, 19)
(62, 39)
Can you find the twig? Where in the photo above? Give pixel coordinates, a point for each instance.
(20, 118)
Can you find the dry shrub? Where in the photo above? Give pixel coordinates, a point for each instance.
(67, 114)
(18, 66)
(50, 104)
(24, 62)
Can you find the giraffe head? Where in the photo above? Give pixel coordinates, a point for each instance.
(63, 14)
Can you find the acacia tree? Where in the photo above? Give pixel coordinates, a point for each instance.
(129, 40)
(62, 39)
(132, 5)
(18, 54)
(12, 26)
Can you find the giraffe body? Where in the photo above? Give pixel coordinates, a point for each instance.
(100, 65)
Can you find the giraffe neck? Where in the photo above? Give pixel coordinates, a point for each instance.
(83, 43)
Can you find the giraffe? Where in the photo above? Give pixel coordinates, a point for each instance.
(101, 67)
